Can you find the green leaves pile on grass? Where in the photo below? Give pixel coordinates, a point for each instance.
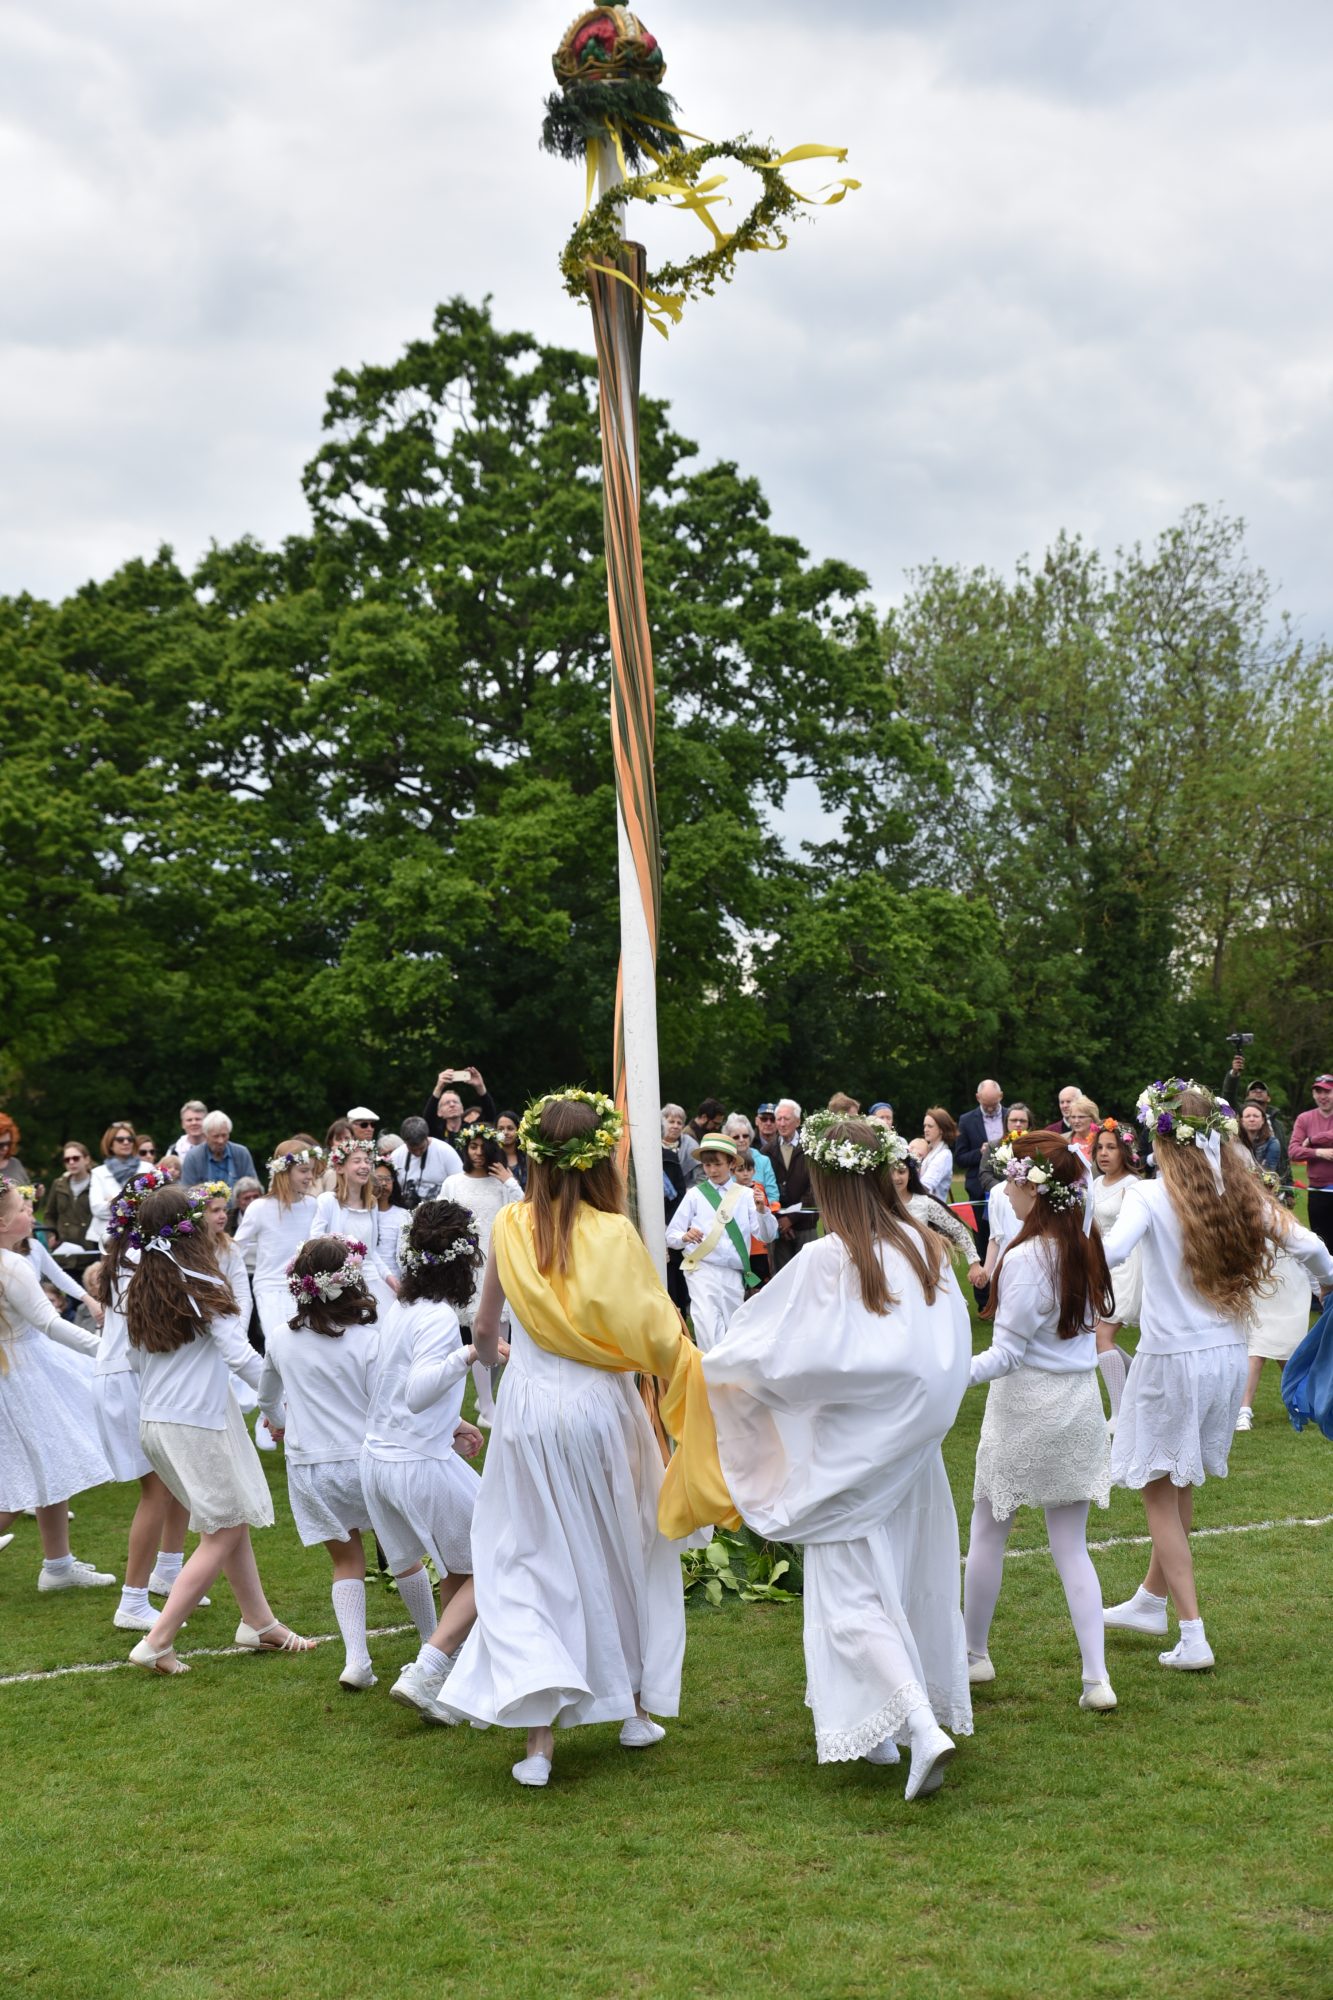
(251, 1831)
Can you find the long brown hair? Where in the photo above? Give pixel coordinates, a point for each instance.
(555, 1194)
(158, 1309)
(1079, 1269)
(862, 1210)
(946, 1121)
(1225, 1237)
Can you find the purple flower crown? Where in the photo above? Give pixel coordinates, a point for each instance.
(123, 1220)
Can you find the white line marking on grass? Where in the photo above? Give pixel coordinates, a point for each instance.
(197, 1653)
(393, 1631)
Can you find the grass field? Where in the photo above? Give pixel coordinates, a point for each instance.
(250, 1831)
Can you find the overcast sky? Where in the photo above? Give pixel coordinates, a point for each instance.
(1086, 281)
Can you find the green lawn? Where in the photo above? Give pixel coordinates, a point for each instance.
(251, 1831)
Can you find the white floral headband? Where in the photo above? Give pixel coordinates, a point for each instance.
(312, 1285)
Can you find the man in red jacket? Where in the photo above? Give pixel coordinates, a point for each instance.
(1312, 1141)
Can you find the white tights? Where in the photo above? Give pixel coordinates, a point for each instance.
(1067, 1530)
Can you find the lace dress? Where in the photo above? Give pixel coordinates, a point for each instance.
(1108, 1198)
(934, 1215)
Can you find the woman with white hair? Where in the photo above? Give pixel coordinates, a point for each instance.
(738, 1127)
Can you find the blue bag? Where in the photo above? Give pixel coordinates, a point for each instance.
(1307, 1379)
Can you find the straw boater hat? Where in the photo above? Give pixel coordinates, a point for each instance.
(713, 1142)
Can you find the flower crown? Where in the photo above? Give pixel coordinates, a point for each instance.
(1126, 1134)
(412, 1259)
(1159, 1112)
(849, 1156)
(311, 1285)
(282, 1163)
(583, 1149)
(209, 1191)
(23, 1189)
(1036, 1173)
(123, 1220)
(341, 1151)
(476, 1130)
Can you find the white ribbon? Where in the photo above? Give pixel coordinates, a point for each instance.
(1089, 1207)
(163, 1243)
(1210, 1145)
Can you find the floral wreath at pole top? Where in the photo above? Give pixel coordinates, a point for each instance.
(313, 1285)
(282, 1163)
(123, 1219)
(1035, 1173)
(413, 1259)
(1159, 1112)
(849, 1156)
(582, 1149)
(610, 71)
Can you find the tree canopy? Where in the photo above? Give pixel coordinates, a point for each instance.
(291, 829)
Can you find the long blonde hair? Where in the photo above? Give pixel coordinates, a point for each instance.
(1226, 1238)
(556, 1194)
(862, 1210)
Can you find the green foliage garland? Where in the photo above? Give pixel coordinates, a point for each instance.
(580, 115)
(596, 238)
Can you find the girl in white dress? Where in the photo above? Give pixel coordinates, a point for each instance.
(832, 1391)
(1044, 1441)
(932, 1214)
(349, 1209)
(320, 1362)
(1282, 1308)
(271, 1232)
(390, 1218)
(484, 1186)
(1116, 1163)
(936, 1164)
(157, 1532)
(48, 1436)
(186, 1339)
(580, 1602)
(1209, 1238)
(419, 1492)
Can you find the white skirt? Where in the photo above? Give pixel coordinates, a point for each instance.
(216, 1474)
(1044, 1443)
(883, 1629)
(49, 1448)
(422, 1507)
(1282, 1311)
(1178, 1416)
(580, 1600)
(116, 1405)
(327, 1502)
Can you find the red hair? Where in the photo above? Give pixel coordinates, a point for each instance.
(1078, 1262)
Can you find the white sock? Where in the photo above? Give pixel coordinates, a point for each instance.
(433, 1659)
(1142, 1596)
(1114, 1369)
(419, 1599)
(349, 1608)
(168, 1564)
(57, 1565)
(132, 1599)
(1191, 1631)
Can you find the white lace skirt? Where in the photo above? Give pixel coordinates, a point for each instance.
(883, 1629)
(216, 1474)
(1178, 1416)
(1044, 1443)
(327, 1502)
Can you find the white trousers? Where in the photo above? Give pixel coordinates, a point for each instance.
(716, 1290)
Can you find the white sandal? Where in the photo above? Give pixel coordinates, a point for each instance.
(251, 1641)
(157, 1660)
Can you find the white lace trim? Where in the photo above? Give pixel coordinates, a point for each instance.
(844, 1746)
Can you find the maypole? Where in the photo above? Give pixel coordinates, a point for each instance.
(612, 112)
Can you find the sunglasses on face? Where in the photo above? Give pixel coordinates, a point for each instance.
(74, 1159)
(148, 1152)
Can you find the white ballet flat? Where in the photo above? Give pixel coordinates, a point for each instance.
(883, 1753)
(157, 1660)
(533, 1770)
(931, 1751)
(357, 1677)
(1100, 1696)
(979, 1669)
(639, 1732)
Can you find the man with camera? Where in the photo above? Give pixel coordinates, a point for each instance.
(426, 1165)
(443, 1111)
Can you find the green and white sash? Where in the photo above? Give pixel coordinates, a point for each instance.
(722, 1223)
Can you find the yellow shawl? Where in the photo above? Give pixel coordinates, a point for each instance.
(609, 1310)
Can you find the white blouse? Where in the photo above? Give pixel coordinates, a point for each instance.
(936, 1171)
(191, 1385)
(29, 1311)
(1026, 1320)
(358, 1224)
(326, 1383)
(276, 1234)
(416, 1382)
(483, 1199)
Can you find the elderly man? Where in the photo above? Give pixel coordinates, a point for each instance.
(982, 1127)
(1065, 1101)
(443, 1110)
(793, 1179)
(219, 1157)
(1312, 1141)
(427, 1162)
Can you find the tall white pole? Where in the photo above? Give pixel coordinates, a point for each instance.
(638, 963)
